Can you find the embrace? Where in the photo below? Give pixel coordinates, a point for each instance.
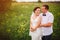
(41, 24)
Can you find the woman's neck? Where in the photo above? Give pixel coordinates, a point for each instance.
(36, 15)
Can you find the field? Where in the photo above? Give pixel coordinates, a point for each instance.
(14, 24)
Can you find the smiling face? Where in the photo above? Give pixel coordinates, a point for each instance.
(37, 11)
(43, 9)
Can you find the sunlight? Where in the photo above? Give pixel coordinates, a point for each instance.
(27, 0)
(35, 0)
(49, 0)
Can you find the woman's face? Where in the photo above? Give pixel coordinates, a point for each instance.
(37, 11)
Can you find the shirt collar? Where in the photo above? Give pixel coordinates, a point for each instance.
(46, 13)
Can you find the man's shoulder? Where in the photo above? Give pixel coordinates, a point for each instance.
(50, 13)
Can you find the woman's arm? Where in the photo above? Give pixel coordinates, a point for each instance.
(38, 23)
(30, 24)
(31, 29)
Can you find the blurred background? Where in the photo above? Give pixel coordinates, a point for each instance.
(15, 18)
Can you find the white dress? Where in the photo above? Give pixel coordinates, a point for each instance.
(36, 35)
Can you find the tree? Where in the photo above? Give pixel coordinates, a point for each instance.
(39, 0)
(4, 5)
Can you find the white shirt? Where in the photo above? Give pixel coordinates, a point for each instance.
(45, 19)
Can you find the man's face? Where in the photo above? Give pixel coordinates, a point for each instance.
(43, 9)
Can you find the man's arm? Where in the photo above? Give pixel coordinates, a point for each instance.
(50, 22)
(46, 25)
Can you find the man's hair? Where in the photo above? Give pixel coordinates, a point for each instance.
(46, 7)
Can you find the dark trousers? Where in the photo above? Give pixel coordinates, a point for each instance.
(48, 37)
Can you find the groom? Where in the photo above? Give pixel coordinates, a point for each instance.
(46, 23)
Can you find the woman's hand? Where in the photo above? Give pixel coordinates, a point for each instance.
(33, 29)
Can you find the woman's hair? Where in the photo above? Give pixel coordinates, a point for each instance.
(35, 9)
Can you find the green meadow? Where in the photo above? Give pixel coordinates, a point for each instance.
(14, 24)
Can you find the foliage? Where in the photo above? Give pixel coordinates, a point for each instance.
(4, 5)
(14, 24)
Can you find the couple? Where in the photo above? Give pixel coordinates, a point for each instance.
(41, 24)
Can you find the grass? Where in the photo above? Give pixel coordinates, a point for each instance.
(15, 22)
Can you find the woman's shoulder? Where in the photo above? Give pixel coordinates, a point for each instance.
(40, 15)
(32, 14)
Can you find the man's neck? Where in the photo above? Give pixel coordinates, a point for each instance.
(45, 12)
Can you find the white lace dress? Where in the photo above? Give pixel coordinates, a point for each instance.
(36, 35)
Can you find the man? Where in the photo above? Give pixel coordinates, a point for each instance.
(46, 23)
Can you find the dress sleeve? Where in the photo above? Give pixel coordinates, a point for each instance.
(31, 16)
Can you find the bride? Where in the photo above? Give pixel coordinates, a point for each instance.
(35, 21)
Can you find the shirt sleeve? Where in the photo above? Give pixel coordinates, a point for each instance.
(51, 19)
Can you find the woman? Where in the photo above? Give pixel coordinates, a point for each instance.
(35, 21)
